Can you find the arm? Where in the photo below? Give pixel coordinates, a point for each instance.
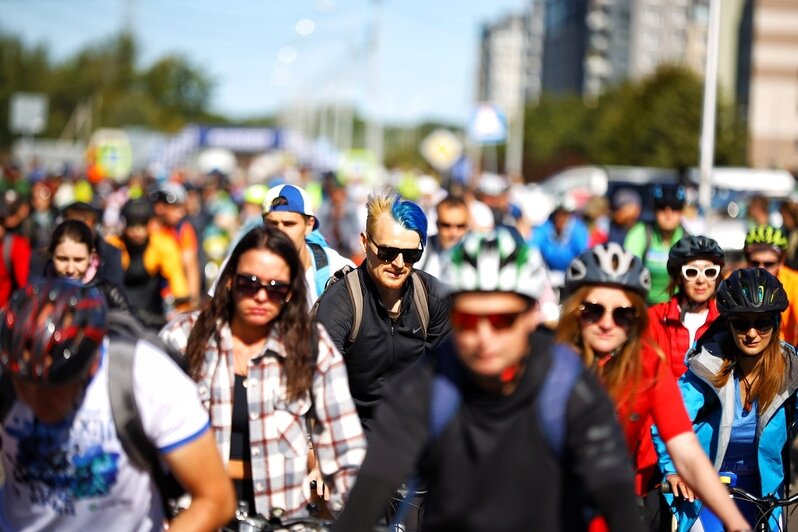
(190, 252)
(697, 471)
(171, 267)
(21, 260)
(212, 495)
(593, 431)
(335, 313)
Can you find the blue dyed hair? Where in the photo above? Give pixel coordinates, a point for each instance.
(410, 216)
(404, 212)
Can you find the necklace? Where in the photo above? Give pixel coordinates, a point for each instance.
(747, 386)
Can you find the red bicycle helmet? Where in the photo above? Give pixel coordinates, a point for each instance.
(51, 331)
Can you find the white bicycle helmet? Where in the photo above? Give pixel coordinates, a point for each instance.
(495, 261)
(608, 264)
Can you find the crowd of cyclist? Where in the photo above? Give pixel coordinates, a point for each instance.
(510, 377)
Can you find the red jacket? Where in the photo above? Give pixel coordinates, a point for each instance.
(20, 266)
(656, 399)
(667, 331)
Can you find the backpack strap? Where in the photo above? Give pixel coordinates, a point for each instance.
(352, 280)
(322, 266)
(552, 402)
(127, 418)
(420, 300)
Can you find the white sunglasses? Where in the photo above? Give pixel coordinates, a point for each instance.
(691, 273)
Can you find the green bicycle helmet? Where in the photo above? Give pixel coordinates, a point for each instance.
(766, 236)
(496, 261)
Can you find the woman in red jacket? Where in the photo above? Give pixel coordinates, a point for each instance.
(604, 319)
(694, 265)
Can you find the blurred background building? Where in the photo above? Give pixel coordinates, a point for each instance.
(587, 46)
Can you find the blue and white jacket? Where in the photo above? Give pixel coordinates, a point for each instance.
(712, 412)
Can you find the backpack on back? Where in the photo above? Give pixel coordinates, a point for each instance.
(351, 278)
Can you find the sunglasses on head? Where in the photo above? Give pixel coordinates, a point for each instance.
(762, 264)
(691, 273)
(389, 254)
(624, 317)
(465, 321)
(250, 285)
(762, 324)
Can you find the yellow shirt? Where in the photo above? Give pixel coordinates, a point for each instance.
(162, 256)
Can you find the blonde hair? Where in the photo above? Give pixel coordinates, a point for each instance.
(767, 375)
(379, 203)
(625, 366)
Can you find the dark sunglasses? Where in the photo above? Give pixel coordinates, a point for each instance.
(465, 321)
(668, 205)
(762, 324)
(624, 317)
(762, 264)
(250, 285)
(444, 225)
(691, 273)
(389, 254)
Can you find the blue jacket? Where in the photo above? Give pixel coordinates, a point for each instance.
(559, 251)
(713, 427)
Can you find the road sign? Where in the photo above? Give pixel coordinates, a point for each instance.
(441, 149)
(488, 125)
(28, 113)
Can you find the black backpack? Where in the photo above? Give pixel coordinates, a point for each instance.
(125, 332)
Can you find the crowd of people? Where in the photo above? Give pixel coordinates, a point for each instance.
(593, 371)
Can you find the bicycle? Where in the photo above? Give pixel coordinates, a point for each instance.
(765, 505)
(243, 522)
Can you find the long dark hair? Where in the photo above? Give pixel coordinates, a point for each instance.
(293, 324)
(74, 230)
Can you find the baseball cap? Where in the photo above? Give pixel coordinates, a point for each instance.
(293, 199)
(170, 193)
(625, 196)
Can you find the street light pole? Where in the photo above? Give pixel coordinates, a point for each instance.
(708, 117)
(374, 140)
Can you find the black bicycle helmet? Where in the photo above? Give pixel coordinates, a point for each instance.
(766, 236)
(51, 331)
(137, 211)
(608, 264)
(669, 195)
(692, 248)
(751, 290)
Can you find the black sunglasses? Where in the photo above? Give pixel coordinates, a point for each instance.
(250, 285)
(622, 316)
(762, 324)
(389, 254)
(762, 264)
(444, 225)
(674, 206)
(465, 321)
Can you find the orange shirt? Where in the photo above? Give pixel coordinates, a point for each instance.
(789, 318)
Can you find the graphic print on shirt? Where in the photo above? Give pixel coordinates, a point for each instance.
(64, 463)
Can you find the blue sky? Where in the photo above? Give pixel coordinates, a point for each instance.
(428, 49)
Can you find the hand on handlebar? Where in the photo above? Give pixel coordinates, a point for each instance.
(679, 488)
(315, 480)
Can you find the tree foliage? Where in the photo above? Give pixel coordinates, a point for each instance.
(653, 122)
(106, 78)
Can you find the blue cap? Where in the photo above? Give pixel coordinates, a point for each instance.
(296, 200)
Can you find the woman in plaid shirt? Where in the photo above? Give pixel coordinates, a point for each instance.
(264, 382)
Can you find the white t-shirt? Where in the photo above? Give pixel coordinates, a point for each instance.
(692, 322)
(74, 475)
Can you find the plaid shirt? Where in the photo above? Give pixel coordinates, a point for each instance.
(277, 428)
